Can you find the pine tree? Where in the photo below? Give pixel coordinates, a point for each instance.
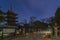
(1, 17)
(57, 16)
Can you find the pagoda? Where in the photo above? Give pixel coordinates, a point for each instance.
(11, 18)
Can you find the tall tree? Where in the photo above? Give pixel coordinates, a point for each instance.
(32, 19)
(1, 17)
(1, 21)
(57, 21)
(57, 16)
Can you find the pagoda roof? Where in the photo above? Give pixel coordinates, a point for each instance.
(11, 20)
(9, 27)
(11, 17)
(11, 12)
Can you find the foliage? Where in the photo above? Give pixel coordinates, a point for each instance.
(57, 16)
(1, 17)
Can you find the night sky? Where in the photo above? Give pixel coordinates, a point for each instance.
(26, 8)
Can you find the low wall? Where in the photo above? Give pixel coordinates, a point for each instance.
(8, 30)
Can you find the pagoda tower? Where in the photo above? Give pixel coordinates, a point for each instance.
(11, 18)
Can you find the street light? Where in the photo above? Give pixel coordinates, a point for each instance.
(56, 30)
(2, 34)
(50, 29)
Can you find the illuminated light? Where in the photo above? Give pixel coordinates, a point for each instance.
(27, 33)
(46, 35)
(17, 33)
(34, 32)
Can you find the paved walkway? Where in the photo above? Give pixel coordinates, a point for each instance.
(29, 37)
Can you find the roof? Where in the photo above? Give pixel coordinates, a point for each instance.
(41, 25)
(11, 13)
(9, 27)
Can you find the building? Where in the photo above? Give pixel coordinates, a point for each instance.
(11, 18)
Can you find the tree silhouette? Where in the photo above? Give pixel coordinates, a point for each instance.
(1, 17)
(40, 25)
(57, 16)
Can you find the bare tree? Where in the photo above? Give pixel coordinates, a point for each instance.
(32, 19)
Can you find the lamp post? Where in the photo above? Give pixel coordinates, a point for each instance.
(50, 29)
(2, 34)
(56, 30)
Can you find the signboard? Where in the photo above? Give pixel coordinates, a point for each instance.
(8, 30)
